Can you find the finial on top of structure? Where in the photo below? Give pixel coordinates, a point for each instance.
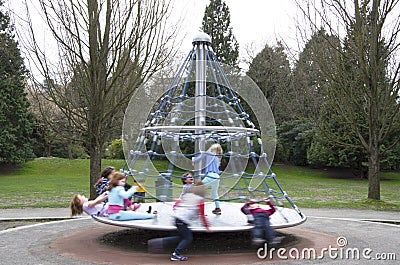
(202, 38)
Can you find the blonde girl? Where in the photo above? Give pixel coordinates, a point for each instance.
(212, 161)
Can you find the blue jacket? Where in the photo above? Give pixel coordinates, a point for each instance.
(211, 162)
(117, 195)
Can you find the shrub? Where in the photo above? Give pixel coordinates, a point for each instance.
(116, 150)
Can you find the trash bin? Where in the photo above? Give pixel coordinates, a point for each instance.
(164, 188)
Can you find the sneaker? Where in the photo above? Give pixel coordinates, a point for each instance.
(136, 206)
(217, 211)
(258, 241)
(175, 256)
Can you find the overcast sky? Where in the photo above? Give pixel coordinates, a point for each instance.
(253, 21)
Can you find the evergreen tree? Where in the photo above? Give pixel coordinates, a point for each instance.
(217, 24)
(16, 121)
(309, 87)
(270, 70)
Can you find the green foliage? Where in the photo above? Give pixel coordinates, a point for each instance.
(309, 87)
(78, 151)
(62, 149)
(324, 153)
(294, 139)
(270, 70)
(16, 121)
(391, 158)
(116, 150)
(217, 24)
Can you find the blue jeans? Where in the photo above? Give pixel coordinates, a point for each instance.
(183, 235)
(212, 179)
(129, 215)
(262, 226)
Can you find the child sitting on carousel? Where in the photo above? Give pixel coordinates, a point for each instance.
(262, 230)
(98, 206)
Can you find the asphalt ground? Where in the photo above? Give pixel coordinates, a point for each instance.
(343, 236)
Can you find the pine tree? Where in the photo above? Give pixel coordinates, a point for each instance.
(16, 122)
(217, 24)
(270, 70)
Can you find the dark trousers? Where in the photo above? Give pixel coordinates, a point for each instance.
(262, 227)
(183, 235)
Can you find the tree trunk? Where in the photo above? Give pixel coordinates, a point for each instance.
(47, 149)
(70, 156)
(97, 77)
(95, 150)
(373, 177)
(95, 168)
(374, 128)
(373, 160)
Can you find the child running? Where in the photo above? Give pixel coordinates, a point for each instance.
(190, 207)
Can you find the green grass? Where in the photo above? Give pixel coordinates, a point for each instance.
(52, 183)
(47, 182)
(316, 189)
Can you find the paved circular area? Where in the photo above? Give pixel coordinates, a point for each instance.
(71, 246)
(75, 242)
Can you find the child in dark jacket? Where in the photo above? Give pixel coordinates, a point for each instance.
(262, 228)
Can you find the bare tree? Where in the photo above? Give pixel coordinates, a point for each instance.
(364, 76)
(105, 50)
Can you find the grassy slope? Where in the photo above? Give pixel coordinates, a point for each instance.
(52, 182)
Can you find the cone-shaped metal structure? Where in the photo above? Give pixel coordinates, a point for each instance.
(202, 106)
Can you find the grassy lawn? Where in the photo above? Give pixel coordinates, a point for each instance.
(52, 183)
(318, 189)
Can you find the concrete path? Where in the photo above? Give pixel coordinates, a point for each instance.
(363, 241)
(34, 213)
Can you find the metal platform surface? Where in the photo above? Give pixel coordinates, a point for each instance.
(231, 219)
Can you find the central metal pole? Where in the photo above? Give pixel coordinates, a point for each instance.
(200, 42)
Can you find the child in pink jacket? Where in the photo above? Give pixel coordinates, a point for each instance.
(262, 230)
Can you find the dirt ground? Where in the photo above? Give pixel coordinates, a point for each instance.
(121, 246)
(203, 243)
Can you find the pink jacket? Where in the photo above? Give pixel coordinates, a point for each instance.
(248, 210)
